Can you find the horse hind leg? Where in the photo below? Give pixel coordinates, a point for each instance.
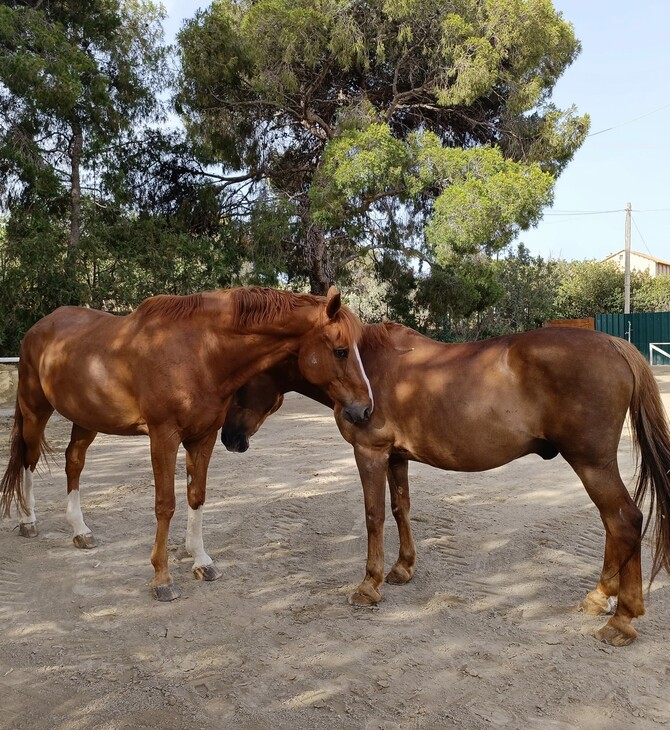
(620, 582)
(197, 462)
(27, 444)
(75, 457)
(27, 516)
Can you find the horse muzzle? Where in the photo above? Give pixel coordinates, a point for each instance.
(236, 441)
(357, 414)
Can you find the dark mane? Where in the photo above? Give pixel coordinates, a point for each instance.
(257, 305)
(170, 306)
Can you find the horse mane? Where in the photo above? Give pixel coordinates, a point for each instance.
(252, 306)
(259, 305)
(378, 335)
(170, 306)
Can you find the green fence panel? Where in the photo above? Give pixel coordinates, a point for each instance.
(642, 329)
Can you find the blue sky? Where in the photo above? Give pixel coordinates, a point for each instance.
(622, 80)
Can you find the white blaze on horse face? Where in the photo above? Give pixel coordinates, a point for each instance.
(74, 516)
(365, 377)
(29, 497)
(194, 543)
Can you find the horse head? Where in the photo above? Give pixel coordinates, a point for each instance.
(251, 405)
(329, 358)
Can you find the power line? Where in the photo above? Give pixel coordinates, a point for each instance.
(630, 121)
(604, 212)
(644, 243)
(583, 212)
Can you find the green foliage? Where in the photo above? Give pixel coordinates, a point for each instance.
(651, 294)
(414, 129)
(358, 167)
(488, 201)
(587, 288)
(92, 65)
(528, 285)
(122, 261)
(328, 140)
(104, 209)
(460, 290)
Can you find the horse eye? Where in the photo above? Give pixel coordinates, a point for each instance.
(341, 352)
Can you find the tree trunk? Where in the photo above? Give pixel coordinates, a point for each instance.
(76, 149)
(321, 274)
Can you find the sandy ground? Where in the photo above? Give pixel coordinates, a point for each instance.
(486, 635)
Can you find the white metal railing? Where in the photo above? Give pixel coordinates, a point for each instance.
(654, 347)
(9, 359)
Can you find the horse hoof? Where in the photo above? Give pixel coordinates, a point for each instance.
(616, 637)
(166, 592)
(365, 599)
(398, 575)
(28, 529)
(207, 572)
(598, 604)
(85, 541)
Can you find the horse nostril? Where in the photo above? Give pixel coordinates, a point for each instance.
(356, 414)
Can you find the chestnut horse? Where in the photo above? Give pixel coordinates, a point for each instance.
(476, 406)
(169, 371)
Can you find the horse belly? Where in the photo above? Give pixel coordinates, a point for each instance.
(470, 441)
(85, 391)
(469, 457)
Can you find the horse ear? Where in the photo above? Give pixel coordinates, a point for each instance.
(333, 302)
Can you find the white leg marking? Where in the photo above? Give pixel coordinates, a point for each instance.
(29, 497)
(74, 516)
(365, 377)
(194, 543)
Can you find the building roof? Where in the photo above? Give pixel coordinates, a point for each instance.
(637, 253)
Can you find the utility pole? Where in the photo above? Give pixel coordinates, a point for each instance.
(626, 264)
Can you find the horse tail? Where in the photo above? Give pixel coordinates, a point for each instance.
(11, 484)
(651, 440)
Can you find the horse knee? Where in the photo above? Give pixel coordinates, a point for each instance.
(165, 510)
(374, 520)
(195, 497)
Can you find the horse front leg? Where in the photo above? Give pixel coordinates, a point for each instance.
(398, 479)
(198, 455)
(75, 457)
(372, 468)
(164, 446)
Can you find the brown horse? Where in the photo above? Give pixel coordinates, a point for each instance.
(169, 371)
(476, 406)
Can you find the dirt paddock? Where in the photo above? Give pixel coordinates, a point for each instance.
(486, 635)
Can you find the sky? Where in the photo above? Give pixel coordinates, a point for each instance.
(622, 80)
